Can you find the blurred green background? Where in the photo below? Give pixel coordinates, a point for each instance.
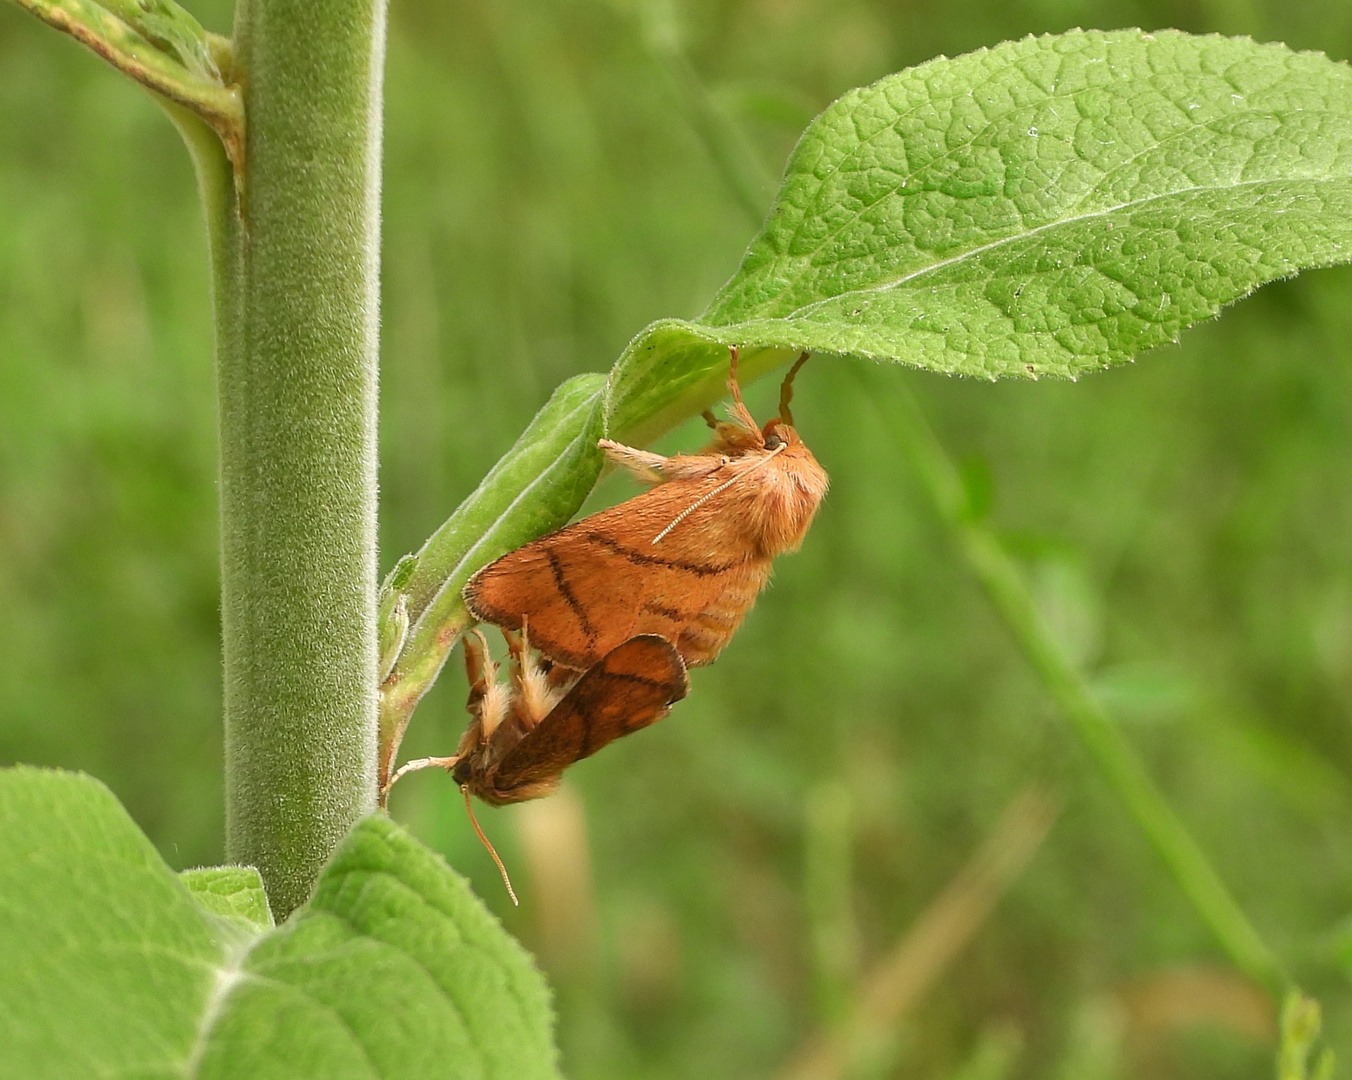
(708, 894)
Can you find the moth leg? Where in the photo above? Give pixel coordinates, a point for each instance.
(479, 669)
(740, 412)
(740, 432)
(534, 692)
(518, 649)
(651, 468)
(786, 390)
(643, 465)
(488, 699)
(558, 675)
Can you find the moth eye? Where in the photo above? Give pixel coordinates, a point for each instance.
(774, 441)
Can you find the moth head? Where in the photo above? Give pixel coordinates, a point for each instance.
(779, 434)
(740, 433)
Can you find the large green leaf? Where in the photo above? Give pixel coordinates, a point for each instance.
(109, 965)
(1050, 206)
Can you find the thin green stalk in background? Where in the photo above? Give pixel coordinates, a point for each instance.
(829, 898)
(723, 139)
(297, 367)
(1297, 1057)
(1004, 582)
(1013, 599)
(865, 1041)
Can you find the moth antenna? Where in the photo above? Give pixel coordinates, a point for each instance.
(469, 808)
(739, 409)
(786, 390)
(414, 764)
(710, 494)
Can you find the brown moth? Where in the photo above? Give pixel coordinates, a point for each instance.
(683, 561)
(518, 748)
(523, 734)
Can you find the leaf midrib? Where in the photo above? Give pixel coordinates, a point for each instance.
(1054, 95)
(227, 977)
(933, 268)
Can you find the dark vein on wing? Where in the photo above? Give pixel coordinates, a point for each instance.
(652, 607)
(640, 559)
(561, 583)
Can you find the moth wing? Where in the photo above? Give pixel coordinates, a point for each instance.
(586, 589)
(633, 686)
(554, 583)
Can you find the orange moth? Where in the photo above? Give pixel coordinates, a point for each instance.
(524, 733)
(684, 560)
(620, 603)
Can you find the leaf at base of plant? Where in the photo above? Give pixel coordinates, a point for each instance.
(112, 964)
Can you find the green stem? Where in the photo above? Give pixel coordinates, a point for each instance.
(1296, 1051)
(724, 140)
(297, 299)
(828, 900)
(162, 47)
(1102, 737)
(1005, 584)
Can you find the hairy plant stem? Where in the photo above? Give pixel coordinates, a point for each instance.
(297, 293)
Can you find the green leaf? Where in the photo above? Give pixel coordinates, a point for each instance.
(172, 30)
(1052, 205)
(111, 964)
(1049, 206)
(106, 961)
(233, 892)
(394, 969)
(163, 47)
